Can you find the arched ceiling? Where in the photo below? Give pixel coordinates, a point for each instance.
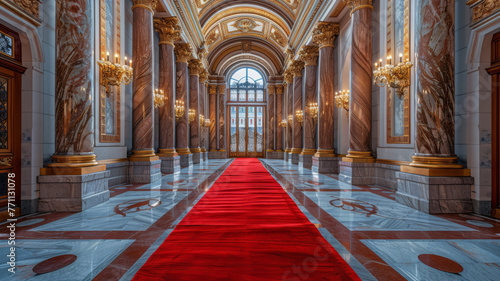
(264, 32)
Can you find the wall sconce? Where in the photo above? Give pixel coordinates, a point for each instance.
(192, 115)
(397, 77)
(207, 123)
(283, 123)
(159, 98)
(290, 120)
(202, 120)
(342, 100)
(113, 74)
(313, 111)
(300, 116)
(179, 110)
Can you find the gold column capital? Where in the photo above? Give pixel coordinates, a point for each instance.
(203, 75)
(296, 68)
(279, 90)
(288, 76)
(270, 89)
(309, 55)
(168, 28)
(195, 67)
(182, 52)
(359, 4)
(213, 90)
(222, 89)
(146, 4)
(324, 34)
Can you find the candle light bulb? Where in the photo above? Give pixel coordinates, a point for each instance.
(400, 57)
(107, 56)
(116, 58)
(130, 63)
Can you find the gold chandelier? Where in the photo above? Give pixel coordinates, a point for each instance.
(283, 123)
(342, 100)
(300, 116)
(397, 77)
(313, 111)
(192, 115)
(179, 110)
(290, 119)
(113, 74)
(202, 120)
(159, 98)
(207, 123)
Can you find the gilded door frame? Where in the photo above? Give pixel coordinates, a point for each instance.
(236, 154)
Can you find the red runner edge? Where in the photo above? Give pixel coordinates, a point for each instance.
(245, 227)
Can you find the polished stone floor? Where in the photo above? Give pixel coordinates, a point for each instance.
(379, 238)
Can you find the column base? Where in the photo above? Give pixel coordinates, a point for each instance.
(186, 160)
(72, 193)
(275, 155)
(170, 165)
(288, 156)
(325, 164)
(214, 154)
(196, 157)
(144, 171)
(143, 156)
(169, 152)
(357, 172)
(359, 157)
(435, 195)
(305, 160)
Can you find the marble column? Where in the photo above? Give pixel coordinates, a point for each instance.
(435, 165)
(222, 119)
(289, 112)
(309, 55)
(203, 129)
(144, 166)
(195, 68)
(279, 118)
(182, 55)
(271, 117)
(297, 67)
(169, 31)
(212, 100)
(324, 161)
(74, 181)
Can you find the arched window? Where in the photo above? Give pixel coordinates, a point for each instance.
(247, 85)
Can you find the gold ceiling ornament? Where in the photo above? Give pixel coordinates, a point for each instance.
(213, 89)
(195, 67)
(182, 52)
(324, 34)
(483, 8)
(288, 76)
(296, 68)
(245, 25)
(146, 4)
(294, 4)
(213, 37)
(309, 55)
(168, 28)
(203, 75)
(28, 10)
(278, 37)
(246, 46)
(359, 4)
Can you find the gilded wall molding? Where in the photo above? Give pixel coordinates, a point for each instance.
(182, 52)
(483, 8)
(28, 10)
(168, 28)
(325, 33)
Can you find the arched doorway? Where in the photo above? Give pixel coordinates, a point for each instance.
(246, 106)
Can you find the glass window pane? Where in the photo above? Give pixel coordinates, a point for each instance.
(252, 73)
(251, 95)
(260, 130)
(242, 127)
(251, 129)
(243, 95)
(233, 128)
(234, 95)
(260, 95)
(239, 74)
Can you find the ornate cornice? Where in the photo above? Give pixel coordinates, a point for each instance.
(146, 4)
(483, 8)
(359, 4)
(309, 55)
(168, 28)
(195, 67)
(296, 68)
(182, 52)
(324, 34)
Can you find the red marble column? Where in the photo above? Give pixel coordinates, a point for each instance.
(142, 104)
(202, 94)
(309, 55)
(74, 140)
(324, 35)
(289, 110)
(360, 108)
(169, 31)
(195, 67)
(182, 54)
(279, 118)
(222, 119)
(212, 97)
(271, 117)
(435, 139)
(296, 68)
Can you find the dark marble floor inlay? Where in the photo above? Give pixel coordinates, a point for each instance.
(53, 264)
(441, 263)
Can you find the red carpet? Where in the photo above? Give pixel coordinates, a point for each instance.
(246, 227)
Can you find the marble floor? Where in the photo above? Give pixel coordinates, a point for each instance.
(379, 238)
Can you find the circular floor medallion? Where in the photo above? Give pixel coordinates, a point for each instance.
(471, 217)
(441, 263)
(479, 223)
(30, 222)
(53, 264)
